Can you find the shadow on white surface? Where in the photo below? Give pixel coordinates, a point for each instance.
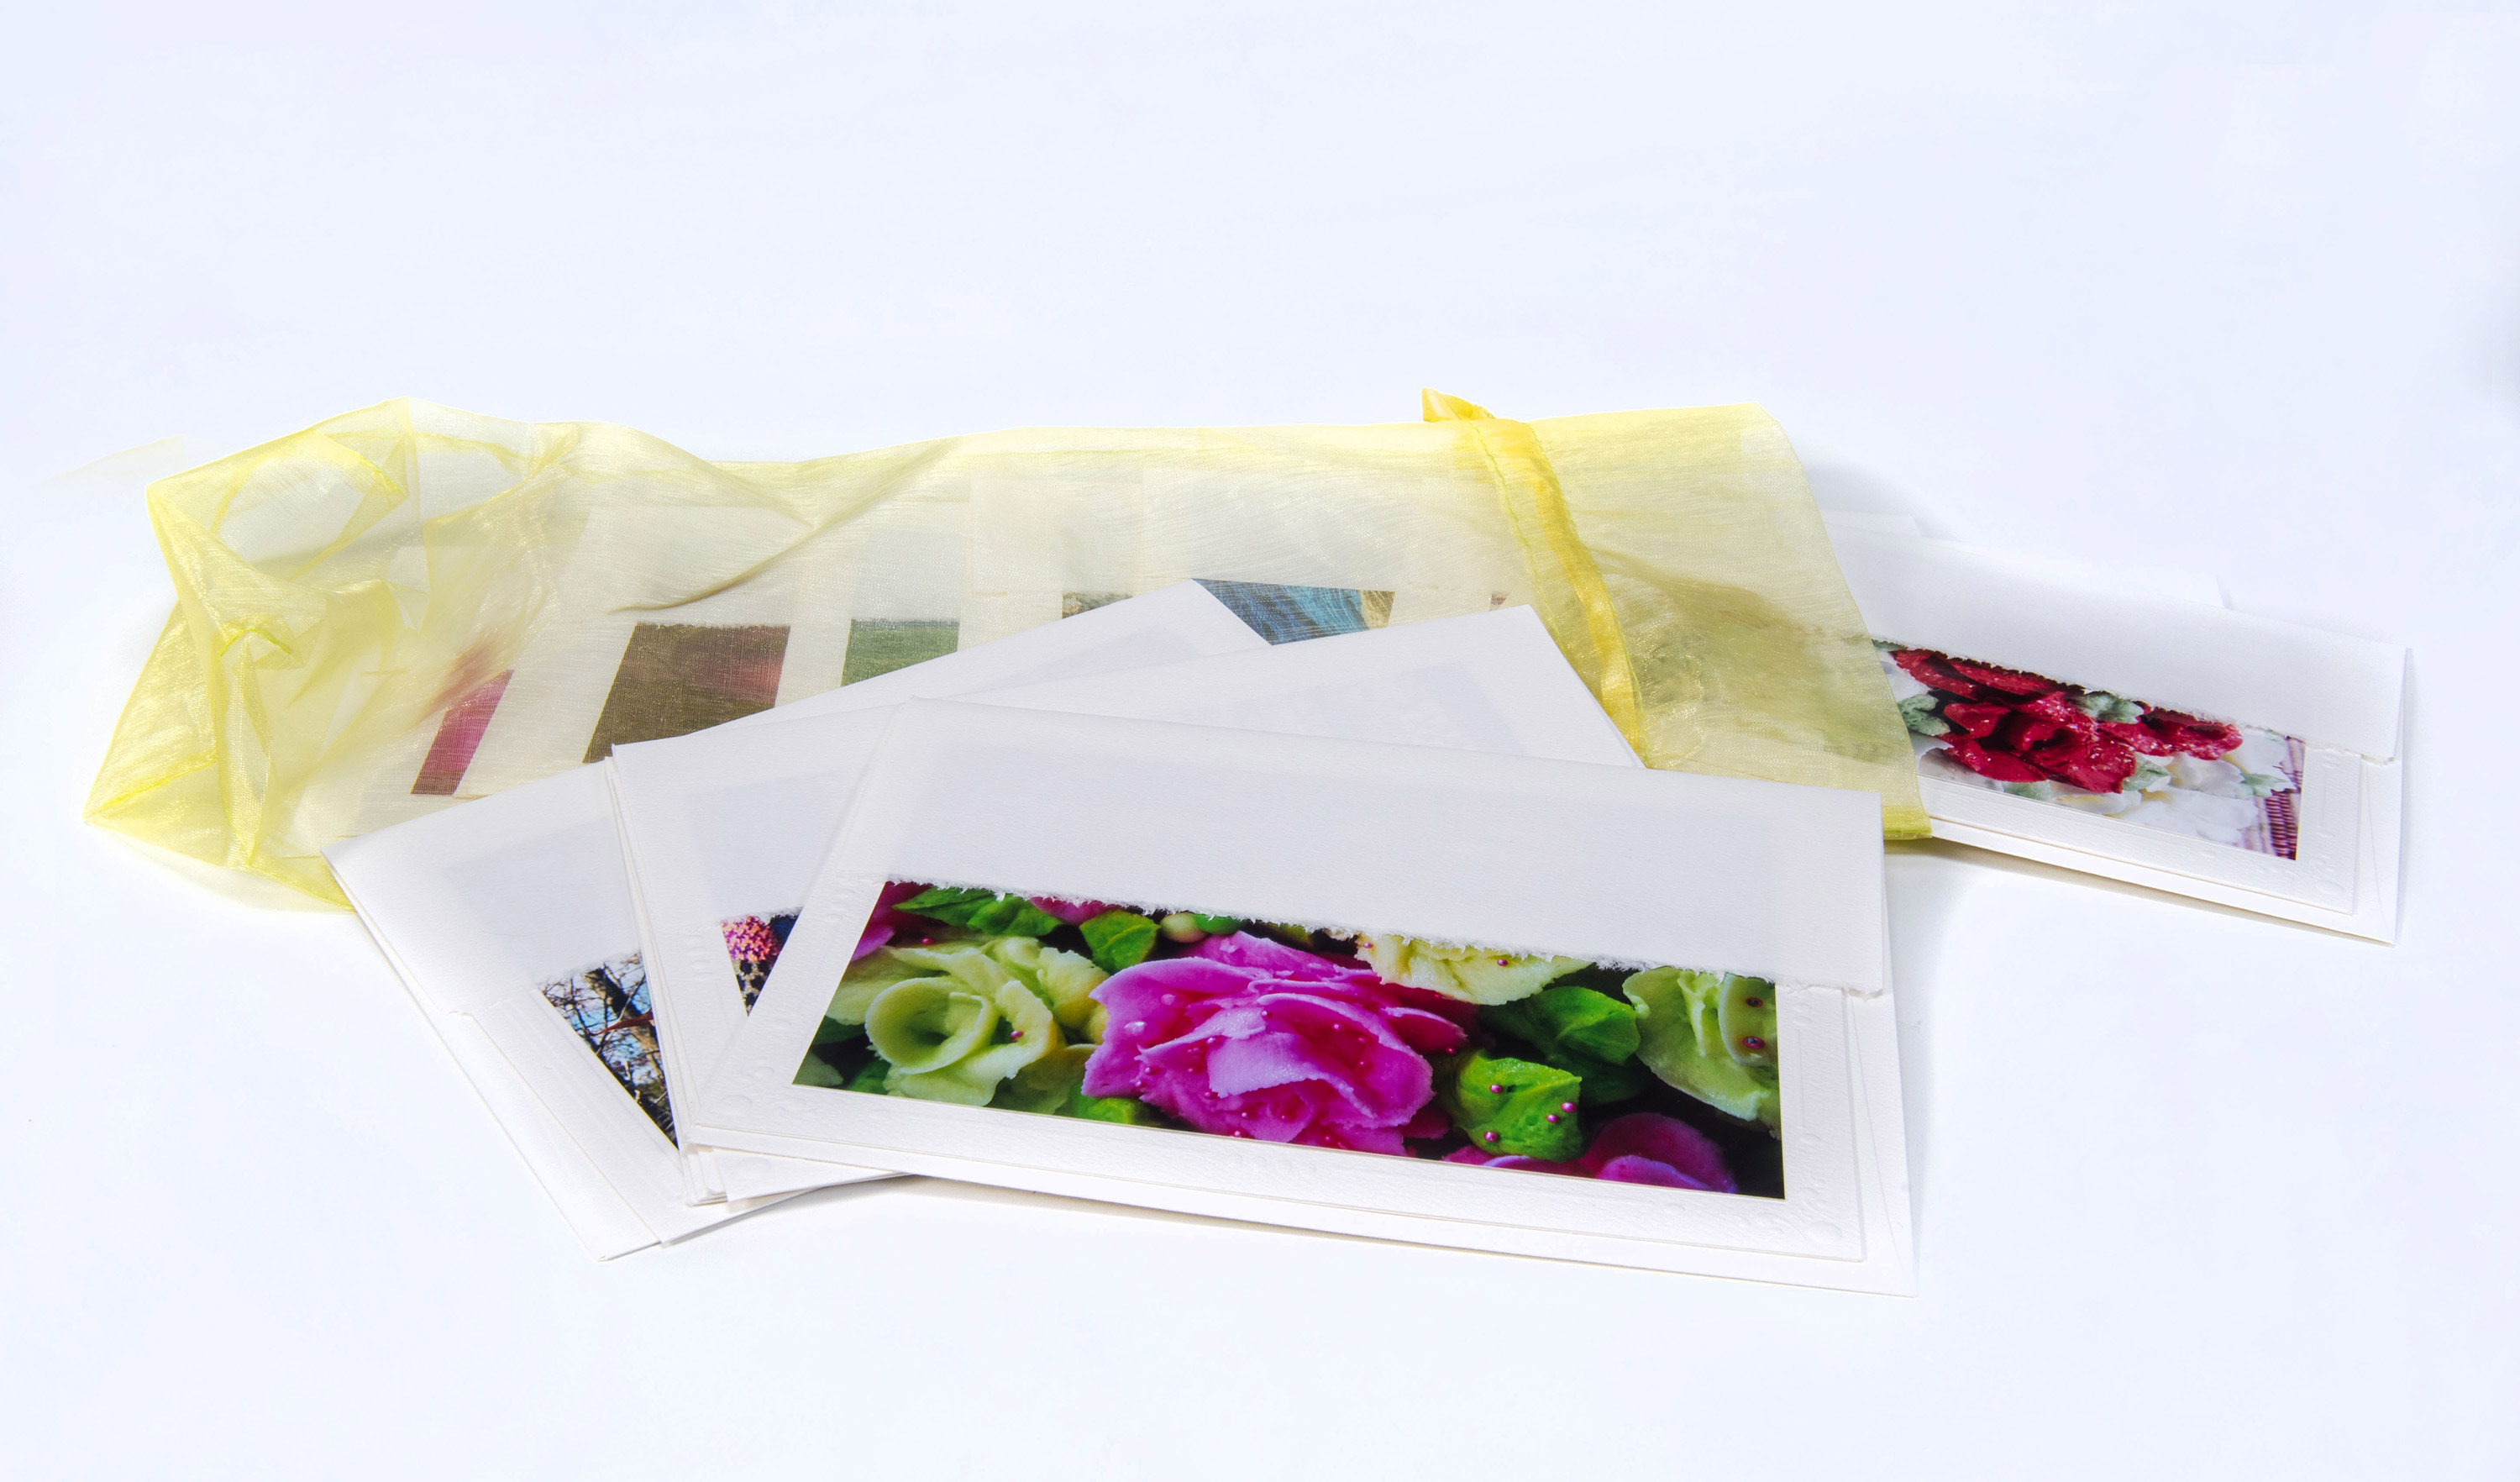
(823, 1203)
(232, 884)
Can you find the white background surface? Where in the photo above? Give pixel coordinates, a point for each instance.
(2227, 288)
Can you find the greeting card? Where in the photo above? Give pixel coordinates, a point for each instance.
(1597, 1012)
(2167, 742)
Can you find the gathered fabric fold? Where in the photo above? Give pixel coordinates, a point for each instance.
(407, 605)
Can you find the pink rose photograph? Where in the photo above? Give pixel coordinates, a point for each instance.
(1275, 1031)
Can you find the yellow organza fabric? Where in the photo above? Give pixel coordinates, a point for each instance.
(407, 605)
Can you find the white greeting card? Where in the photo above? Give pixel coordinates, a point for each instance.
(1596, 1012)
(724, 828)
(1173, 623)
(509, 919)
(512, 920)
(2155, 581)
(2166, 743)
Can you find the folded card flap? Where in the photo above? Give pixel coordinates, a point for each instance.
(726, 800)
(1487, 682)
(513, 915)
(594, 1211)
(2323, 687)
(1620, 864)
(753, 1178)
(482, 898)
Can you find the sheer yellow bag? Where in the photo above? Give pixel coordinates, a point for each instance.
(408, 605)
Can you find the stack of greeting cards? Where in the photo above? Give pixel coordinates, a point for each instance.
(1388, 934)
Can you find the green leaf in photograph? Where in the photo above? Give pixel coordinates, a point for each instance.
(830, 1034)
(1513, 1106)
(1126, 1111)
(1712, 1035)
(1187, 926)
(837, 1050)
(2109, 707)
(982, 910)
(1581, 1030)
(1917, 710)
(1119, 939)
(1580, 1019)
(1604, 1084)
(817, 1071)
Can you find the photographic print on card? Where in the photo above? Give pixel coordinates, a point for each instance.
(607, 1005)
(1381, 1044)
(2014, 731)
(752, 946)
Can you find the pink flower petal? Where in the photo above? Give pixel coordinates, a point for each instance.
(1242, 948)
(1429, 1122)
(1261, 1063)
(1633, 1168)
(1253, 1038)
(1668, 1140)
(1070, 911)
